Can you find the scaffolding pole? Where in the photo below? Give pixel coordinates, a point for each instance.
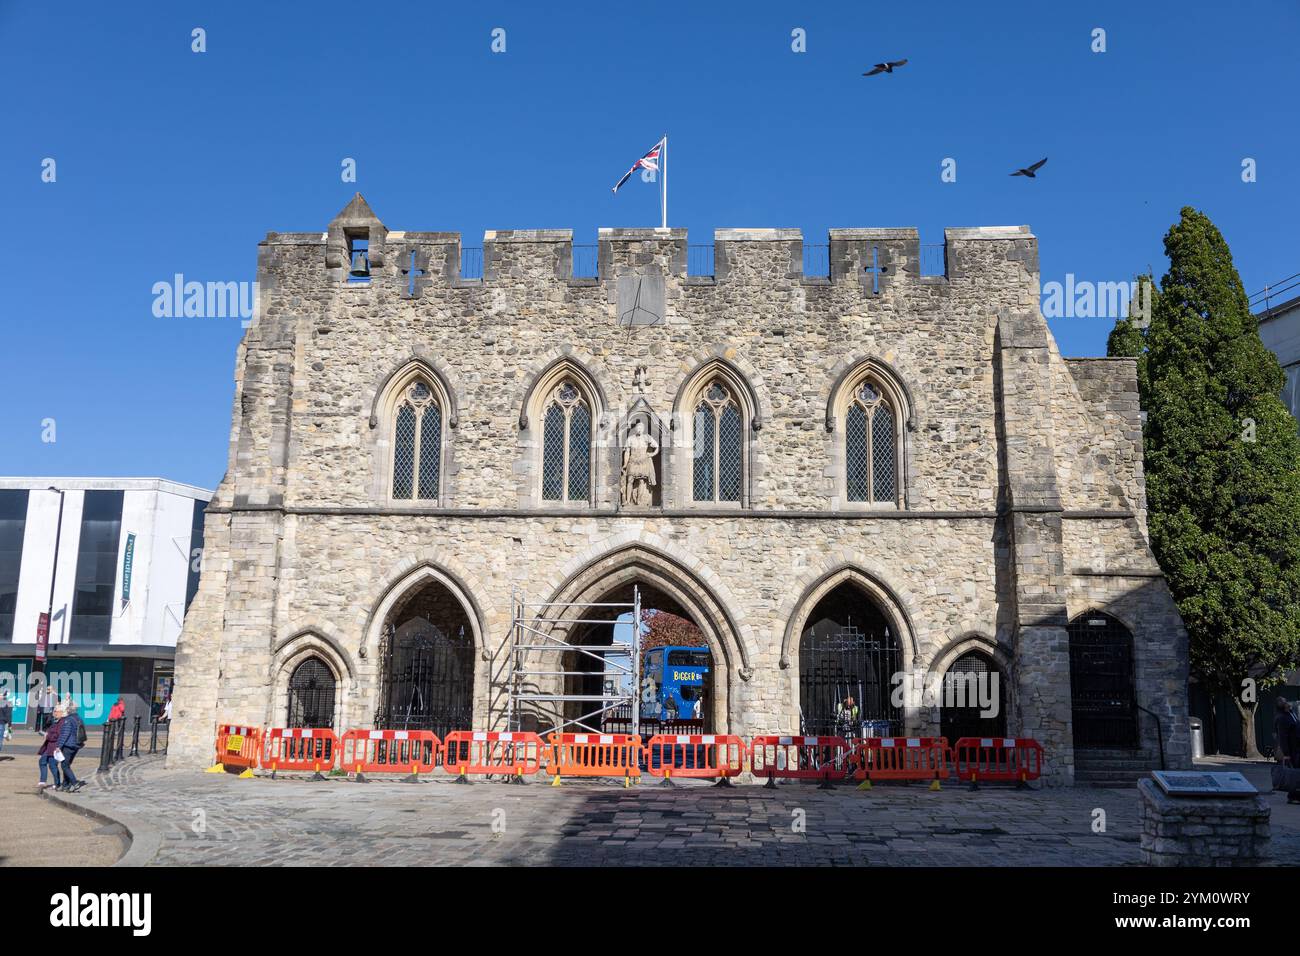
(530, 634)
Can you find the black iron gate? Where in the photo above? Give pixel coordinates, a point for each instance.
(1101, 682)
(428, 681)
(972, 681)
(311, 695)
(848, 662)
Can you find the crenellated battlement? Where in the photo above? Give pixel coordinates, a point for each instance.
(874, 259)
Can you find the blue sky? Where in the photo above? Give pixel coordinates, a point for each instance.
(170, 161)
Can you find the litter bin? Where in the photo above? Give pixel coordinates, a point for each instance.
(1198, 739)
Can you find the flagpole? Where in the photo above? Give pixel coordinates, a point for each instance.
(665, 182)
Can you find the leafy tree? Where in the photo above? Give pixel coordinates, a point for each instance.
(1127, 337)
(661, 629)
(1223, 472)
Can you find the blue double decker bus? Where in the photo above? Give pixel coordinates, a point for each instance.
(673, 682)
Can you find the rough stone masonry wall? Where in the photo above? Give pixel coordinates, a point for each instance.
(304, 545)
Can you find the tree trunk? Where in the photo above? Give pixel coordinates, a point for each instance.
(1247, 714)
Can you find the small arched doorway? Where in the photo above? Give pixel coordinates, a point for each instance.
(974, 699)
(1102, 701)
(848, 650)
(312, 690)
(426, 657)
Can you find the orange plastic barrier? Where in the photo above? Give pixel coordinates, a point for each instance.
(998, 758)
(720, 756)
(389, 751)
(594, 755)
(513, 754)
(238, 746)
(901, 758)
(799, 758)
(299, 748)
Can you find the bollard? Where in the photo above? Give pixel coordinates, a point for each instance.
(106, 749)
(135, 737)
(153, 735)
(121, 739)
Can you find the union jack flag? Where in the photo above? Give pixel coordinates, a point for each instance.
(649, 161)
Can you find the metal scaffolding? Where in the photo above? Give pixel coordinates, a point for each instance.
(532, 645)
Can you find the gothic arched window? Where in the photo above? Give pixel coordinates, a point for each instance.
(871, 445)
(718, 455)
(417, 444)
(566, 445)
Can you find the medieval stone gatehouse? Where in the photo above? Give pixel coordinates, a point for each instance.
(851, 483)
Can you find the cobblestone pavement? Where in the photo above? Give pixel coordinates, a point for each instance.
(261, 822)
(39, 832)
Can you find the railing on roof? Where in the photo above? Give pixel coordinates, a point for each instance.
(1275, 294)
(933, 261)
(585, 265)
(816, 263)
(471, 262)
(699, 260)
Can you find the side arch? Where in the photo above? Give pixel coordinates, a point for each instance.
(295, 650)
(891, 601)
(409, 577)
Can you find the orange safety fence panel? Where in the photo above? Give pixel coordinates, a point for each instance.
(389, 751)
(798, 757)
(299, 748)
(238, 746)
(997, 758)
(695, 755)
(901, 758)
(512, 753)
(594, 755)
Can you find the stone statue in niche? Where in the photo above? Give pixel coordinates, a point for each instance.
(636, 489)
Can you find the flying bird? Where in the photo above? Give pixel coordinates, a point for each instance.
(885, 67)
(1030, 170)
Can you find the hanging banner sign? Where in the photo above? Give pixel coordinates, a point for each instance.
(127, 560)
(42, 635)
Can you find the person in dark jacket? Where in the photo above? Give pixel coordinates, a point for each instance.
(45, 755)
(1286, 730)
(68, 743)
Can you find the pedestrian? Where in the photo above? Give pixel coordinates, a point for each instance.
(1286, 730)
(118, 710)
(167, 709)
(6, 716)
(45, 756)
(71, 738)
(49, 700)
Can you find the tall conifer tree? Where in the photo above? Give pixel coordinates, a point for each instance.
(1222, 471)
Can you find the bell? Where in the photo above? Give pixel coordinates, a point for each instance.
(360, 264)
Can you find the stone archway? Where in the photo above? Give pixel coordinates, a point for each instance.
(426, 655)
(610, 579)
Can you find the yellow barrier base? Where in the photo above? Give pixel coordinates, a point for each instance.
(865, 784)
(934, 785)
(247, 774)
(216, 768)
(556, 781)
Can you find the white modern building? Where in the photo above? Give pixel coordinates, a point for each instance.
(129, 555)
(1278, 310)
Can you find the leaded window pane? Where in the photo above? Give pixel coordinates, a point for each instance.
(882, 455)
(579, 453)
(430, 451)
(729, 454)
(553, 455)
(404, 453)
(855, 453)
(702, 472)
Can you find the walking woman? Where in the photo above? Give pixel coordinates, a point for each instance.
(45, 755)
(72, 737)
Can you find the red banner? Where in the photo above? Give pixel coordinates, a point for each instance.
(42, 635)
